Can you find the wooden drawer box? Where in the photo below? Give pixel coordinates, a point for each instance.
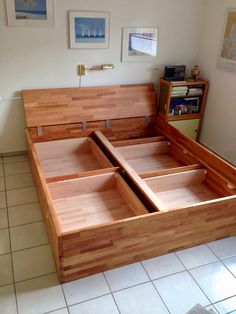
(180, 190)
(92, 201)
(72, 156)
(154, 156)
(117, 184)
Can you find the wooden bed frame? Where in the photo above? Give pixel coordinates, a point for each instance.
(116, 183)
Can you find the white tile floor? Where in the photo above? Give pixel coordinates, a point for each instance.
(173, 283)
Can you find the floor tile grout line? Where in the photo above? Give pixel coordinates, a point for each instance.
(31, 247)
(18, 173)
(53, 311)
(77, 303)
(233, 296)
(111, 292)
(175, 273)
(194, 280)
(221, 261)
(26, 159)
(205, 264)
(9, 235)
(64, 295)
(22, 204)
(15, 153)
(155, 287)
(149, 281)
(207, 244)
(223, 258)
(11, 251)
(136, 285)
(25, 224)
(12, 162)
(228, 269)
(22, 187)
(36, 277)
(22, 225)
(215, 310)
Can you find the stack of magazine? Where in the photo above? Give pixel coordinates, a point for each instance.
(179, 91)
(195, 91)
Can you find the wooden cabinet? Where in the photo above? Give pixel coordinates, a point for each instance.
(116, 191)
(182, 105)
(187, 127)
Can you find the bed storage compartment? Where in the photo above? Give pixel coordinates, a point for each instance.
(154, 156)
(70, 156)
(93, 201)
(183, 189)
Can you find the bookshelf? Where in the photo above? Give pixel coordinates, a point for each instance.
(182, 104)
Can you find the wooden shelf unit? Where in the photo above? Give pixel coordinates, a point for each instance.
(165, 98)
(126, 189)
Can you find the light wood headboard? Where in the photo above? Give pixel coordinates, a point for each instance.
(71, 105)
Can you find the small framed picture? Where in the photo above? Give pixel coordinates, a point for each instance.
(30, 12)
(227, 55)
(89, 29)
(139, 44)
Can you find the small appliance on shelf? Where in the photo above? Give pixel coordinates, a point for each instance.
(174, 72)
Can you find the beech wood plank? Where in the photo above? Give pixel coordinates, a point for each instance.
(202, 154)
(82, 174)
(163, 172)
(66, 157)
(50, 218)
(89, 251)
(151, 139)
(178, 190)
(72, 105)
(140, 184)
(154, 156)
(134, 128)
(93, 201)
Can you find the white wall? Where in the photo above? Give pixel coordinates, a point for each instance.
(219, 125)
(40, 57)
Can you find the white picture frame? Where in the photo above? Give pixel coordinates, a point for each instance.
(30, 13)
(89, 29)
(227, 51)
(139, 44)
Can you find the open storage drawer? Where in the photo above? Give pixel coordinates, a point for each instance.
(66, 157)
(179, 190)
(116, 184)
(157, 155)
(93, 201)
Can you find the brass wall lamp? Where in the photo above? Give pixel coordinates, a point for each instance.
(82, 68)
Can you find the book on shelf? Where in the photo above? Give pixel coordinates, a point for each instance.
(184, 106)
(182, 92)
(196, 90)
(179, 91)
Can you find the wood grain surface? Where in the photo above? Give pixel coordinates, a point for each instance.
(71, 156)
(71, 105)
(107, 215)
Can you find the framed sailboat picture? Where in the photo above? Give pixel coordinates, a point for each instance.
(89, 29)
(30, 12)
